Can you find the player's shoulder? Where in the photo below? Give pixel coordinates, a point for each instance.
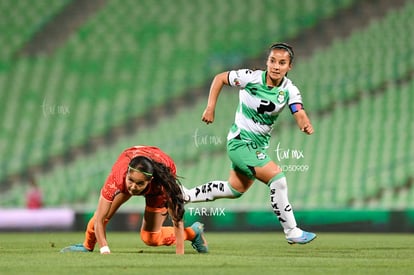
(292, 90)
(248, 72)
(241, 77)
(288, 84)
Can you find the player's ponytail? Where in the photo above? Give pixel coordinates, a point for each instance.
(172, 186)
(163, 176)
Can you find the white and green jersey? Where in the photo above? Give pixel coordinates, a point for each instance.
(259, 105)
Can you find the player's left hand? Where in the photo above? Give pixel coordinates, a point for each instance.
(307, 129)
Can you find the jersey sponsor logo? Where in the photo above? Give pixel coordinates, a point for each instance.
(266, 106)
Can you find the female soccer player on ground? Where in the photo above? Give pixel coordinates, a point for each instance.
(263, 95)
(143, 171)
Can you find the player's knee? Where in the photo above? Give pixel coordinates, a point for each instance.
(279, 182)
(235, 192)
(150, 239)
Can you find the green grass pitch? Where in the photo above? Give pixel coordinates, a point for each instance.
(230, 253)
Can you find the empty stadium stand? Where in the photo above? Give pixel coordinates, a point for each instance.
(357, 91)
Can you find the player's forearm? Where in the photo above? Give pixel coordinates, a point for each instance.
(216, 85)
(101, 237)
(179, 237)
(303, 122)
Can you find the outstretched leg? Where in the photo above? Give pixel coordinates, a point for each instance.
(235, 187)
(211, 191)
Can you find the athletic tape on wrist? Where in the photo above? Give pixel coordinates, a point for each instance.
(105, 249)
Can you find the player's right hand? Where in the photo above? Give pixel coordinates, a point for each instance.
(208, 116)
(105, 250)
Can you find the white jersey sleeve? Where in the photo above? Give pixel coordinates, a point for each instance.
(295, 98)
(240, 78)
(294, 94)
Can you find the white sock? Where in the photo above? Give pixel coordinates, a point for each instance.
(210, 191)
(281, 206)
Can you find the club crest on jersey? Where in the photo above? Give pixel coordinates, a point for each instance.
(281, 96)
(260, 155)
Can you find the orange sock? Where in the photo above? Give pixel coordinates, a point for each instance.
(189, 234)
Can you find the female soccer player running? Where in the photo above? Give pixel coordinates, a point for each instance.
(263, 95)
(143, 171)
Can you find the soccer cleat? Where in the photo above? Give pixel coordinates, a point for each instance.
(304, 239)
(199, 243)
(75, 248)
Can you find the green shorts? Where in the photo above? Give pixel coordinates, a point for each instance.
(245, 156)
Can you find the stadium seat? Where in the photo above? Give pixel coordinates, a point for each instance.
(120, 71)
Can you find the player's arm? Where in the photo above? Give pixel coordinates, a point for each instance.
(179, 237)
(217, 84)
(179, 234)
(303, 122)
(101, 214)
(105, 210)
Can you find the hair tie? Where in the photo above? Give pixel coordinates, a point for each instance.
(137, 170)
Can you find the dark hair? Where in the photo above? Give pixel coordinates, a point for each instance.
(283, 46)
(163, 176)
(143, 164)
